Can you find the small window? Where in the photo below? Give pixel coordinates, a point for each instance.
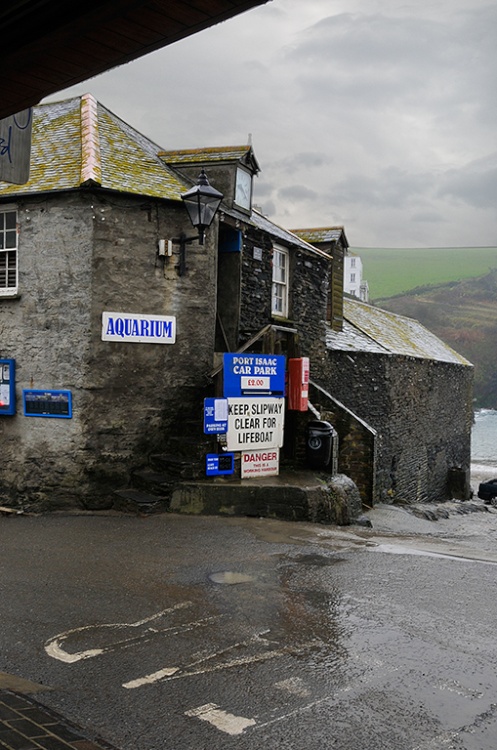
(352, 278)
(279, 301)
(352, 262)
(8, 252)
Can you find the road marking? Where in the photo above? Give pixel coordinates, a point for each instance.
(53, 646)
(294, 686)
(225, 722)
(441, 740)
(151, 678)
(194, 669)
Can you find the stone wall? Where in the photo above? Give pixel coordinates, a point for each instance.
(46, 331)
(357, 441)
(422, 413)
(308, 293)
(80, 255)
(256, 283)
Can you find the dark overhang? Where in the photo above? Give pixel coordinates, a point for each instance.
(49, 45)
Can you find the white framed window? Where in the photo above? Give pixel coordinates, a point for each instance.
(8, 251)
(352, 262)
(352, 278)
(279, 295)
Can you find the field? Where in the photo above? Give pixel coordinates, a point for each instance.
(464, 315)
(392, 271)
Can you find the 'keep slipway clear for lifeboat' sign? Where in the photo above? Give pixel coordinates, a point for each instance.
(255, 423)
(137, 328)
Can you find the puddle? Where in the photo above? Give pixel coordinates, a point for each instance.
(319, 560)
(231, 578)
(397, 549)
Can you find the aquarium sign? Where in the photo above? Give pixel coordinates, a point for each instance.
(55, 404)
(138, 329)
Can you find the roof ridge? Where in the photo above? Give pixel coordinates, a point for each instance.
(207, 149)
(91, 163)
(318, 229)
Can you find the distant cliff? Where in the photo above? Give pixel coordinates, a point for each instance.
(464, 315)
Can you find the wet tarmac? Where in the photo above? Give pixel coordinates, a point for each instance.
(191, 632)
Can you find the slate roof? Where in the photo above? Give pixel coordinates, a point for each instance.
(321, 234)
(214, 154)
(79, 142)
(279, 233)
(371, 329)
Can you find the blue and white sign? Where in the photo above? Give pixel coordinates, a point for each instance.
(7, 387)
(53, 404)
(218, 464)
(254, 375)
(138, 329)
(215, 416)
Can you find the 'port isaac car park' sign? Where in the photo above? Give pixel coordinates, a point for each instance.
(254, 374)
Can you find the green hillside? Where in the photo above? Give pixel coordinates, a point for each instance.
(391, 271)
(464, 315)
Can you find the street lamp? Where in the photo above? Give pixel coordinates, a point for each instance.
(201, 203)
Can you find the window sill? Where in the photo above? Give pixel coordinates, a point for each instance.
(14, 295)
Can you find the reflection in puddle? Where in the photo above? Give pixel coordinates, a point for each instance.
(398, 549)
(314, 559)
(229, 577)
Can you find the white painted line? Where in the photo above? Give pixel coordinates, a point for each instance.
(189, 670)
(294, 686)
(56, 652)
(225, 722)
(150, 678)
(53, 646)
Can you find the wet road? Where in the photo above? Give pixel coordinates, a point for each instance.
(171, 632)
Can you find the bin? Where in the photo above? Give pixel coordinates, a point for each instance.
(319, 443)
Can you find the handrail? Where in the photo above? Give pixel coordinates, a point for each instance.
(251, 341)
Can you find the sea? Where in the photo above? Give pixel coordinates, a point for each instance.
(484, 441)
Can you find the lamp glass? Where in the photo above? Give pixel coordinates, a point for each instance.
(201, 203)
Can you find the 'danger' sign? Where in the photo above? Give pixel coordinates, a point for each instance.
(263, 463)
(255, 423)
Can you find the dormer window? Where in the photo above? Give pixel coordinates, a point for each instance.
(243, 189)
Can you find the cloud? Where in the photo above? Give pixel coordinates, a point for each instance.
(297, 193)
(475, 184)
(378, 116)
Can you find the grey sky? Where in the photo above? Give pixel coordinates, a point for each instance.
(379, 115)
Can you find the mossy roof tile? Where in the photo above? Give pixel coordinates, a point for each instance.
(213, 155)
(69, 144)
(320, 234)
(371, 329)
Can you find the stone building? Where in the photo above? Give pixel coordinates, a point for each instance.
(415, 392)
(85, 264)
(101, 304)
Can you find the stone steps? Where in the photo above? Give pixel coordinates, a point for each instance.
(132, 500)
(151, 487)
